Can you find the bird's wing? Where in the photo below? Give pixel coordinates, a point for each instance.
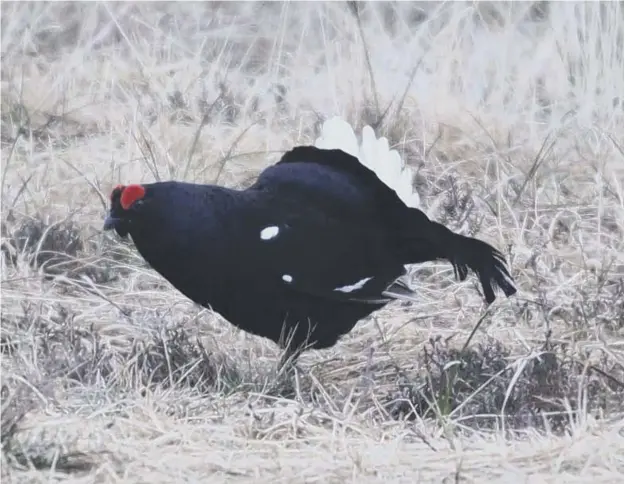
(331, 180)
(332, 226)
(313, 252)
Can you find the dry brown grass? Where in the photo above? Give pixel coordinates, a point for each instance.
(513, 120)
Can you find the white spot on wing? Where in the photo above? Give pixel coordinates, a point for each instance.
(355, 286)
(287, 278)
(269, 232)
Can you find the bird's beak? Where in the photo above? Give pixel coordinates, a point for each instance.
(109, 222)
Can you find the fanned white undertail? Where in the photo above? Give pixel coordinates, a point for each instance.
(375, 154)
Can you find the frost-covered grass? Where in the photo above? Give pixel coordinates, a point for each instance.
(511, 116)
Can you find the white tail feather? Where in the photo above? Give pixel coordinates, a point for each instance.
(374, 153)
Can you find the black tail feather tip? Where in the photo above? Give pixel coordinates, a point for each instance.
(496, 275)
(488, 263)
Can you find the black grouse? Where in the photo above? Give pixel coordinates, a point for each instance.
(315, 245)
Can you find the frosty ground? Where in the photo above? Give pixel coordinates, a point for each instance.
(511, 116)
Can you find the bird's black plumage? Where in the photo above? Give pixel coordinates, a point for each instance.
(314, 246)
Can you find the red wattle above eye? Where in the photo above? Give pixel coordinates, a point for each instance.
(131, 194)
